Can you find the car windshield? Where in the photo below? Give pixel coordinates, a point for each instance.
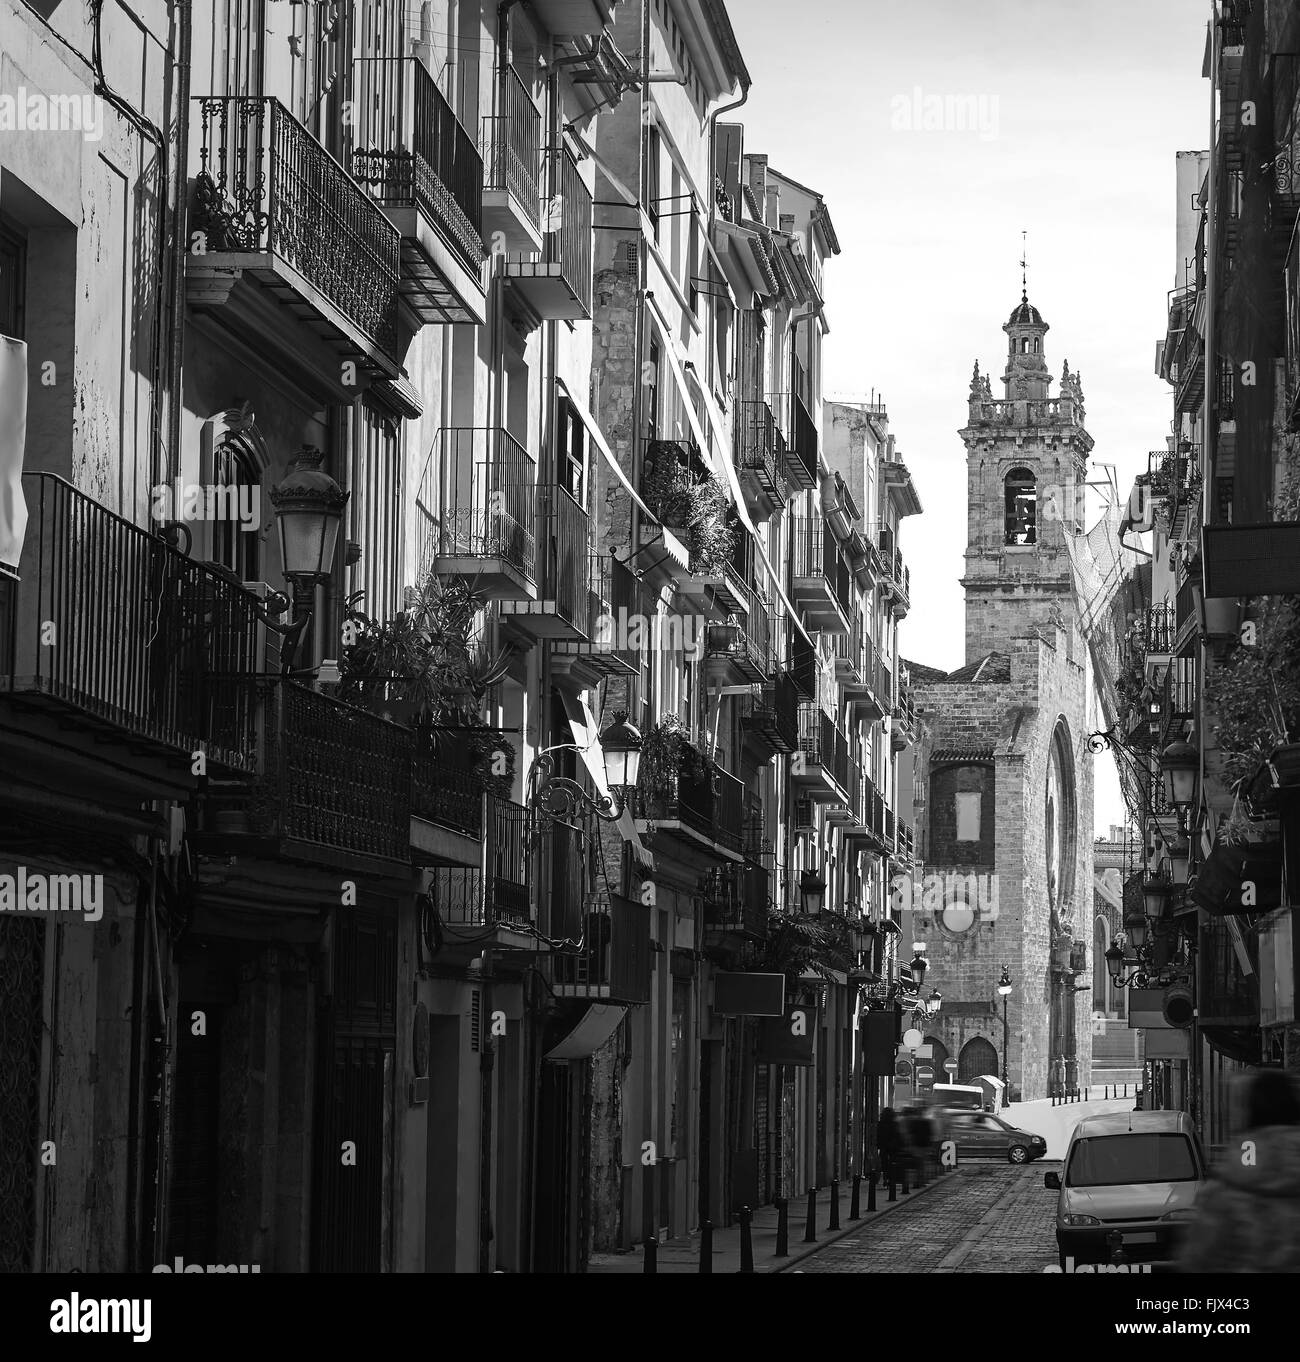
(1113, 1160)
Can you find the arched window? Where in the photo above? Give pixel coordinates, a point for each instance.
(1024, 345)
(1037, 343)
(1021, 507)
(1100, 974)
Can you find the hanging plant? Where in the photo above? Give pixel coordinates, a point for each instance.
(667, 752)
(425, 664)
(798, 944)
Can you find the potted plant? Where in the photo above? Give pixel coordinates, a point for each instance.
(667, 755)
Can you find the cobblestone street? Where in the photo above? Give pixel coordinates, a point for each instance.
(983, 1218)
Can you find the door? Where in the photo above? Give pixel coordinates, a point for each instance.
(977, 1057)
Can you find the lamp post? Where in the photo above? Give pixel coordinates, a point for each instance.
(560, 797)
(812, 891)
(1004, 988)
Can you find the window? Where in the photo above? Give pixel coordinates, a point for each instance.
(375, 504)
(1024, 345)
(1037, 343)
(968, 815)
(1119, 1160)
(652, 393)
(571, 451)
(653, 156)
(13, 283)
(1021, 503)
(232, 545)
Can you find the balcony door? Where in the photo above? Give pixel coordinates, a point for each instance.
(238, 31)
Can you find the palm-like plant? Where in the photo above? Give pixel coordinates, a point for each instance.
(798, 944)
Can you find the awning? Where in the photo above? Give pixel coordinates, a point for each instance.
(594, 1028)
(722, 465)
(742, 257)
(13, 439)
(586, 737)
(674, 546)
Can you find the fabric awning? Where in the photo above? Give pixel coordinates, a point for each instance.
(594, 1028)
(717, 448)
(743, 259)
(13, 440)
(672, 545)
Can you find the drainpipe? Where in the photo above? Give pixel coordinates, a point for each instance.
(486, 1064)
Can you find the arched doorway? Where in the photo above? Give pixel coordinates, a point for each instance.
(939, 1053)
(977, 1057)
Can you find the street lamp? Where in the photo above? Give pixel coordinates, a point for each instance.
(561, 797)
(812, 890)
(1115, 962)
(1004, 988)
(919, 965)
(1178, 766)
(933, 1003)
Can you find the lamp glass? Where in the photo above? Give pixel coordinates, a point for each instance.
(813, 890)
(621, 746)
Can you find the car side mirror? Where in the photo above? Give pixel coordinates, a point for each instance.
(1053, 1181)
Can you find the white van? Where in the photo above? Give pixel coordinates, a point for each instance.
(958, 1095)
(1131, 1174)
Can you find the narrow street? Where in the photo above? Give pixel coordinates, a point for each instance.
(985, 1217)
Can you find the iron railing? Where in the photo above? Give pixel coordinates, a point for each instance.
(496, 891)
(736, 901)
(1224, 995)
(489, 483)
(800, 431)
(816, 553)
(613, 957)
(759, 447)
(774, 713)
(334, 777)
(265, 184)
(446, 787)
(108, 619)
(412, 151)
(568, 226)
(512, 140)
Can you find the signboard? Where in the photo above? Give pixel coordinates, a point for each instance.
(878, 1031)
(1168, 1044)
(1251, 560)
(924, 1052)
(749, 995)
(903, 1069)
(1146, 1009)
(925, 1072)
(790, 1038)
(950, 1066)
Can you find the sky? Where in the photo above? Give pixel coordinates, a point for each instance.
(1061, 119)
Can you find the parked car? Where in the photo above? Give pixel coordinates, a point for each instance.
(980, 1135)
(1132, 1174)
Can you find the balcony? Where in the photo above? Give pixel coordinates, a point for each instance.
(294, 254)
(557, 287)
(848, 814)
(574, 18)
(863, 691)
(608, 646)
(803, 663)
(485, 905)
(895, 578)
(563, 572)
(1155, 640)
(1227, 1000)
(1188, 367)
(760, 452)
(114, 644)
(332, 788)
(800, 430)
(903, 731)
(770, 719)
(736, 901)
(849, 653)
(612, 962)
(477, 497)
(704, 813)
(446, 800)
(422, 166)
(739, 653)
(823, 581)
(819, 770)
(868, 833)
(512, 147)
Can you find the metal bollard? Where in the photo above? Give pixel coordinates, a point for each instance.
(810, 1223)
(706, 1245)
(835, 1205)
(855, 1202)
(651, 1255)
(782, 1228)
(746, 1240)
(871, 1190)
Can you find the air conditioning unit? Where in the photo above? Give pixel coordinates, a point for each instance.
(803, 815)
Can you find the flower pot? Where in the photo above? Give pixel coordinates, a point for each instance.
(1285, 760)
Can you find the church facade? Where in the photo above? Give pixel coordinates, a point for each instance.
(1004, 777)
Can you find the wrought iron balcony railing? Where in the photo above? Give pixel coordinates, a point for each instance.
(558, 286)
(109, 623)
(564, 553)
(823, 578)
(267, 186)
(480, 495)
(496, 891)
(513, 142)
(446, 787)
(800, 430)
(412, 152)
(736, 901)
(773, 714)
(760, 448)
(612, 960)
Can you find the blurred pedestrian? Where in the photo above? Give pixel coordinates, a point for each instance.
(1248, 1214)
(920, 1136)
(889, 1141)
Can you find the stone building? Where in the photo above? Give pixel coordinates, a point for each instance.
(1007, 784)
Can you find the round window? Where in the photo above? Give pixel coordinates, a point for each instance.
(958, 917)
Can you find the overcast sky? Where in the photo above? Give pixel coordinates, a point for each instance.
(1078, 110)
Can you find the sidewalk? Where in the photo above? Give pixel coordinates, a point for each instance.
(683, 1253)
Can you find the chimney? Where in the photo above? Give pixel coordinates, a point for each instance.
(756, 169)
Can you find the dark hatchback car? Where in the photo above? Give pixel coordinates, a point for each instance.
(978, 1134)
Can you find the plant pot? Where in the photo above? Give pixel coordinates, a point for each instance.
(1285, 760)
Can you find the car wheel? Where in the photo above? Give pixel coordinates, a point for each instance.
(1018, 1154)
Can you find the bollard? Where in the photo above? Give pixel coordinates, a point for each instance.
(855, 1203)
(871, 1190)
(835, 1205)
(651, 1255)
(905, 1171)
(706, 1245)
(782, 1228)
(746, 1240)
(893, 1188)
(810, 1223)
